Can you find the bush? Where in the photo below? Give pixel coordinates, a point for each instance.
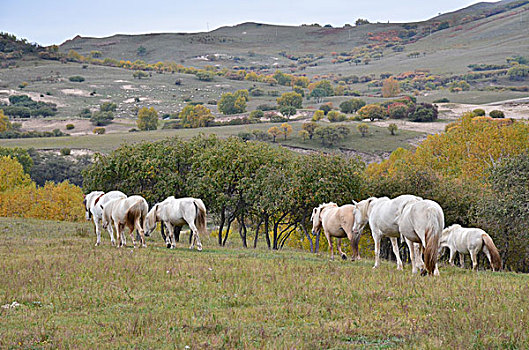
(496, 114)
(335, 116)
(393, 128)
(397, 110)
(70, 126)
(76, 79)
(257, 114)
(325, 108)
(478, 112)
(65, 151)
(372, 112)
(423, 112)
(442, 100)
(288, 111)
(147, 119)
(100, 118)
(352, 105)
(108, 107)
(99, 131)
(275, 118)
(318, 115)
(85, 113)
(265, 107)
(363, 128)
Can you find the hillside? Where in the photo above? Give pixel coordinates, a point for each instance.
(481, 33)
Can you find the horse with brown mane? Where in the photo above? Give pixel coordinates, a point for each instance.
(126, 212)
(336, 222)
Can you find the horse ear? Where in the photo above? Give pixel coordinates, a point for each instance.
(355, 202)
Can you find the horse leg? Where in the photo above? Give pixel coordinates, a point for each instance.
(462, 260)
(118, 234)
(139, 228)
(487, 253)
(411, 248)
(170, 238)
(376, 239)
(98, 231)
(474, 258)
(395, 246)
(419, 249)
(196, 238)
(452, 256)
(330, 245)
(131, 233)
(111, 233)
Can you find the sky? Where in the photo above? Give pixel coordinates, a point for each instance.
(54, 21)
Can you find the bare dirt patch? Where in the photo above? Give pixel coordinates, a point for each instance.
(81, 126)
(76, 92)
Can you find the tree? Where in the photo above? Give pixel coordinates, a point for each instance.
(274, 131)
(363, 128)
(288, 111)
(397, 110)
(393, 128)
(204, 75)
(309, 127)
(519, 72)
(372, 112)
(423, 112)
(141, 51)
(12, 174)
(108, 107)
(195, 116)
(325, 108)
(318, 115)
(318, 94)
(256, 115)
(21, 155)
(303, 134)
(100, 118)
(147, 119)
(390, 87)
(290, 99)
(233, 103)
(361, 21)
(325, 85)
(330, 135)
(5, 124)
(335, 116)
(286, 129)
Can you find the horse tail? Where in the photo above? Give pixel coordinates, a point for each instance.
(200, 220)
(138, 211)
(431, 235)
(494, 254)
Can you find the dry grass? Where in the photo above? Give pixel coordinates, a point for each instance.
(74, 295)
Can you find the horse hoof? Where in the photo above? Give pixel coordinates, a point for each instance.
(424, 272)
(344, 257)
(144, 245)
(168, 245)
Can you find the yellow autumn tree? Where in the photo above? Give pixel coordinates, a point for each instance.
(286, 129)
(5, 124)
(274, 131)
(390, 87)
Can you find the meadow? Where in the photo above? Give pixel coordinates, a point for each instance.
(75, 295)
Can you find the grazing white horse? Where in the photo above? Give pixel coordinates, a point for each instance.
(176, 212)
(422, 222)
(382, 215)
(92, 204)
(470, 240)
(126, 212)
(336, 222)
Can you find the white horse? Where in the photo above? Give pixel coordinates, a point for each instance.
(422, 222)
(470, 240)
(176, 212)
(94, 211)
(129, 212)
(336, 222)
(382, 215)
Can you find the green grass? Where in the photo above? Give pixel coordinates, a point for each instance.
(379, 139)
(75, 295)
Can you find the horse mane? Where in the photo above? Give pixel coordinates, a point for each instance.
(325, 205)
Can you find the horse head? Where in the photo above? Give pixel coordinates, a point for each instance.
(149, 223)
(316, 220)
(361, 214)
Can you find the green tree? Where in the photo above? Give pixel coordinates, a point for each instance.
(290, 99)
(100, 118)
(204, 75)
(195, 116)
(363, 128)
(423, 112)
(141, 51)
(288, 111)
(372, 112)
(519, 72)
(233, 103)
(108, 107)
(393, 128)
(147, 119)
(309, 127)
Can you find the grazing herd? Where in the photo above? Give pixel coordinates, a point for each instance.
(419, 222)
(115, 211)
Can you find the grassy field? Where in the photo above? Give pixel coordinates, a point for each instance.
(379, 140)
(74, 295)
